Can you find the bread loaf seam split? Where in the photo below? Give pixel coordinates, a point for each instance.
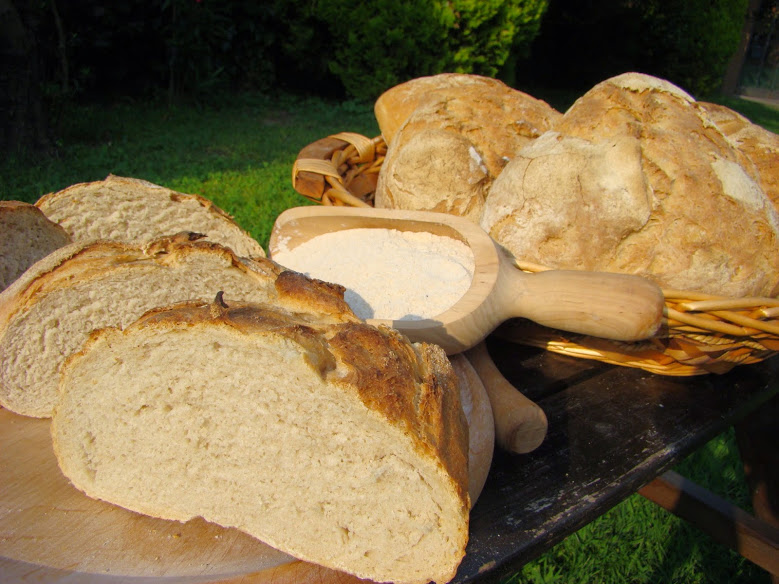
(334, 441)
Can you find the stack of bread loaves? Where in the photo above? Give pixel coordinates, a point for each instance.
(637, 177)
(185, 379)
(449, 136)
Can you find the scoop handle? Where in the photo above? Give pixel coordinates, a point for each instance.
(619, 307)
(520, 423)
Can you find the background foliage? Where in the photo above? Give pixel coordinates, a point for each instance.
(688, 42)
(383, 43)
(170, 49)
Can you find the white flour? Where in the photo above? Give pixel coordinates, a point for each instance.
(388, 274)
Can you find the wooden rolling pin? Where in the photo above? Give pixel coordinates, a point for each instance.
(520, 424)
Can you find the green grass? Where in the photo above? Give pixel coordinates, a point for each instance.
(239, 154)
(637, 542)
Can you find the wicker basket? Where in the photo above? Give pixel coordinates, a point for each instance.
(701, 333)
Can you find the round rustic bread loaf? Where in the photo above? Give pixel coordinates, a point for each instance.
(394, 106)
(637, 178)
(449, 137)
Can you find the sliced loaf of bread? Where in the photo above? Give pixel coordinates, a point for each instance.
(26, 235)
(131, 210)
(337, 442)
(49, 311)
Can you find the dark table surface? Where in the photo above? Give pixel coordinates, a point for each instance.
(611, 430)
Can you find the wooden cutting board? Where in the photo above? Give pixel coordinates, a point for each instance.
(51, 532)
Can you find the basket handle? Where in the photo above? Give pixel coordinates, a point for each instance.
(318, 172)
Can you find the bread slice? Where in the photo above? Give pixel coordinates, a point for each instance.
(337, 442)
(26, 235)
(49, 312)
(136, 211)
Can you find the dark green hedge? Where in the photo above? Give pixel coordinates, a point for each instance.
(688, 42)
(358, 49)
(351, 47)
(382, 43)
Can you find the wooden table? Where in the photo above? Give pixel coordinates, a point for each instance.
(612, 430)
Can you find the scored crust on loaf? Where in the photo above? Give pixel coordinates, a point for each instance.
(26, 236)
(455, 141)
(49, 312)
(393, 107)
(337, 442)
(759, 145)
(131, 210)
(636, 178)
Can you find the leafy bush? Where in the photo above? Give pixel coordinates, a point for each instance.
(490, 32)
(192, 47)
(380, 44)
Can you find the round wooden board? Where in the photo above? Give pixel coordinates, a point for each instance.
(51, 532)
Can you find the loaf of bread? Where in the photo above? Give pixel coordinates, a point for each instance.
(636, 177)
(131, 210)
(334, 441)
(49, 311)
(26, 236)
(449, 136)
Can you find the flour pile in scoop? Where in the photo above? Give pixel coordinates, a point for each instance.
(388, 273)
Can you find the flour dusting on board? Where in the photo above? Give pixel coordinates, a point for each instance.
(388, 274)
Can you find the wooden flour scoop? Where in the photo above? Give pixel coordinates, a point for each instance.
(611, 306)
